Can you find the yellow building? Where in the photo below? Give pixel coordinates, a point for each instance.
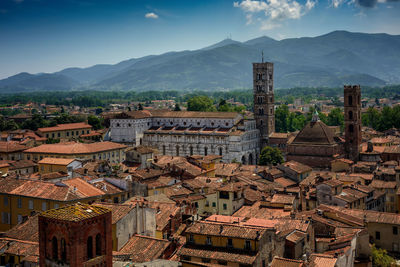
(225, 243)
(68, 131)
(113, 152)
(20, 198)
(48, 165)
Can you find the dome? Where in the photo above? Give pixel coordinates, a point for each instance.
(315, 132)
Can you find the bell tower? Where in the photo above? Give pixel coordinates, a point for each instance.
(352, 121)
(263, 91)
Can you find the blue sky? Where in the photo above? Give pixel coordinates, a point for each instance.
(49, 35)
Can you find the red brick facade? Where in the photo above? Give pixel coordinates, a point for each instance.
(63, 241)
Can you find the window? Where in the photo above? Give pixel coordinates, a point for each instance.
(19, 203)
(208, 241)
(351, 128)
(350, 115)
(247, 244)
(220, 151)
(63, 250)
(186, 258)
(196, 204)
(205, 260)
(56, 206)
(205, 151)
(44, 206)
(395, 230)
(214, 204)
(5, 217)
(191, 151)
(230, 243)
(395, 247)
(191, 239)
(98, 245)
(54, 246)
(5, 201)
(89, 248)
(19, 218)
(163, 149)
(220, 262)
(58, 135)
(350, 98)
(378, 235)
(30, 204)
(67, 133)
(224, 206)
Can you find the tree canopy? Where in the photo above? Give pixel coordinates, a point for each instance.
(270, 156)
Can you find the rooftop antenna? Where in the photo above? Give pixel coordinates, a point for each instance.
(262, 56)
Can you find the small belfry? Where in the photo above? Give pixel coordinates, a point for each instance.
(352, 121)
(263, 91)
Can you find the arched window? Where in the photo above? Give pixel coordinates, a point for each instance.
(205, 151)
(351, 128)
(191, 151)
(261, 111)
(177, 150)
(220, 151)
(350, 115)
(63, 250)
(54, 245)
(89, 247)
(163, 149)
(350, 98)
(98, 245)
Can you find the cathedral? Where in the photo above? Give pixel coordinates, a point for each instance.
(316, 145)
(236, 138)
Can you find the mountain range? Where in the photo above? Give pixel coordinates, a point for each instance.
(329, 60)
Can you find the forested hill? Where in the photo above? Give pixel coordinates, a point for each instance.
(329, 60)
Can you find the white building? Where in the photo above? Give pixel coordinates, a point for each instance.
(184, 133)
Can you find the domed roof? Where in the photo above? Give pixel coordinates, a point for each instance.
(315, 132)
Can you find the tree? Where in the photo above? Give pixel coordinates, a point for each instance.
(270, 156)
(95, 122)
(177, 107)
(200, 103)
(140, 106)
(380, 257)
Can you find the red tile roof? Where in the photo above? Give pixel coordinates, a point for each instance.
(66, 127)
(72, 148)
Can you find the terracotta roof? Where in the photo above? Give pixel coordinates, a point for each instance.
(259, 211)
(11, 146)
(75, 148)
(296, 236)
(143, 248)
(283, 199)
(379, 184)
(118, 211)
(83, 188)
(284, 181)
(321, 260)
(224, 219)
(56, 161)
(66, 127)
(38, 189)
(226, 230)
(283, 262)
(315, 133)
(27, 231)
(297, 166)
(218, 255)
(76, 212)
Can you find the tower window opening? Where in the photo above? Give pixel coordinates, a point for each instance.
(350, 98)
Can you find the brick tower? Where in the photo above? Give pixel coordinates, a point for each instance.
(263, 91)
(352, 121)
(75, 235)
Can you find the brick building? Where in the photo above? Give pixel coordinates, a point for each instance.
(75, 235)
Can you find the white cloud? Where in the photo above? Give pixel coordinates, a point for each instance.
(151, 15)
(271, 13)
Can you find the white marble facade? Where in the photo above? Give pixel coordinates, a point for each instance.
(189, 133)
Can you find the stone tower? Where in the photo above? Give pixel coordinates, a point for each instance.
(75, 235)
(352, 121)
(263, 90)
